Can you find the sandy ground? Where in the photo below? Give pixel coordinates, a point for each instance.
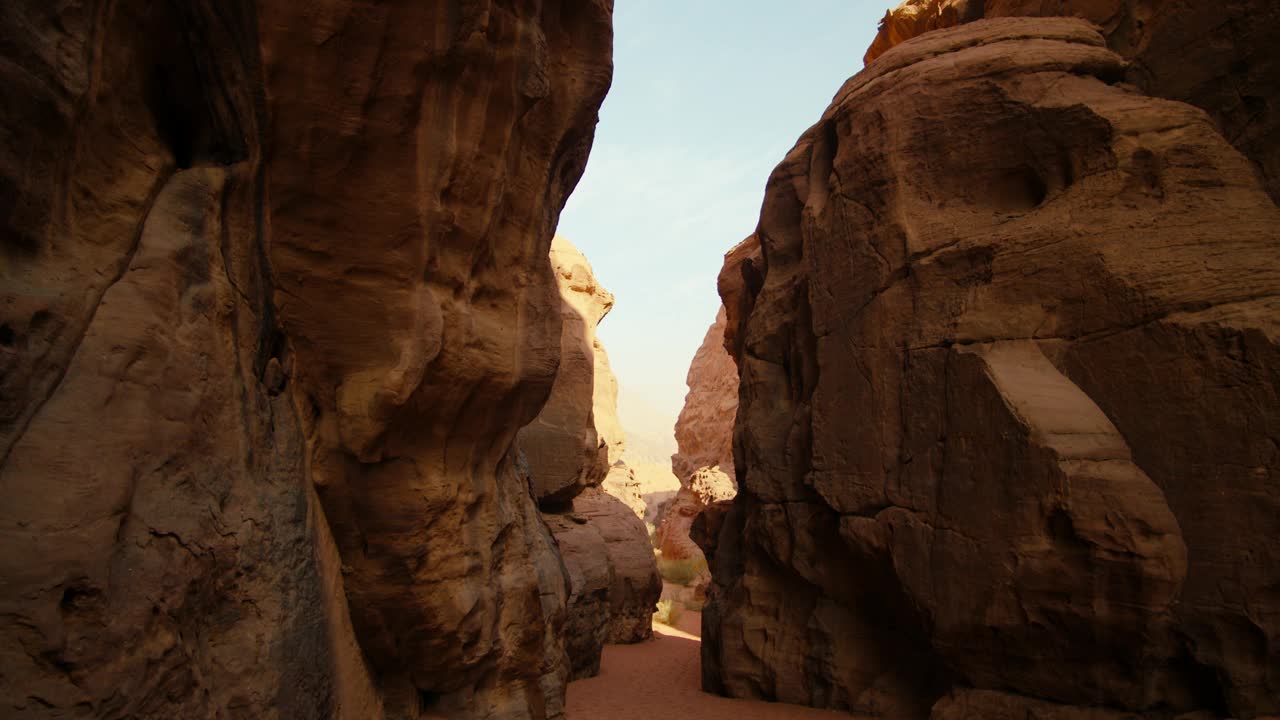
(660, 679)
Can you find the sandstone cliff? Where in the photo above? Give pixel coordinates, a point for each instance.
(704, 437)
(274, 301)
(576, 437)
(1007, 334)
(587, 494)
(1218, 56)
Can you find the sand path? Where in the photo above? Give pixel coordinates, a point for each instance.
(661, 678)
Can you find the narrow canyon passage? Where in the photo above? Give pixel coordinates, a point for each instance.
(306, 411)
(659, 678)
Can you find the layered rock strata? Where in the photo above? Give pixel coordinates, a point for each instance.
(273, 304)
(1007, 334)
(1218, 56)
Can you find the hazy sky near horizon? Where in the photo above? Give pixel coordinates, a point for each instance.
(707, 97)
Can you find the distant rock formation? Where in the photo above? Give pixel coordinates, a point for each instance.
(704, 436)
(274, 302)
(1008, 340)
(1219, 56)
(704, 430)
(590, 499)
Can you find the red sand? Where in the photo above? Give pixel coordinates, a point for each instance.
(660, 678)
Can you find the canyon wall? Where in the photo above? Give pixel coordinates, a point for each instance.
(576, 437)
(703, 461)
(274, 302)
(1008, 337)
(586, 493)
(1218, 56)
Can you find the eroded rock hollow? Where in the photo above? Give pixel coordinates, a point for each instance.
(1007, 335)
(274, 302)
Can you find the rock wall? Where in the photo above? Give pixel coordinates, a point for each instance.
(703, 461)
(587, 494)
(273, 304)
(704, 430)
(576, 437)
(1218, 56)
(1007, 334)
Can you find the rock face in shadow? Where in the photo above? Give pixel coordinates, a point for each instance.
(588, 496)
(1007, 334)
(274, 301)
(612, 577)
(1218, 56)
(704, 438)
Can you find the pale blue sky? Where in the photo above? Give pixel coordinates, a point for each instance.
(707, 97)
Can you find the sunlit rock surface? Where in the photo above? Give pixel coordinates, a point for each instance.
(704, 436)
(274, 301)
(590, 499)
(1007, 334)
(576, 437)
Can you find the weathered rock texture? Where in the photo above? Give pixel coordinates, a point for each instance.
(704, 430)
(274, 301)
(622, 484)
(1008, 336)
(705, 487)
(576, 437)
(703, 461)
(588, 495)
(1218, 56)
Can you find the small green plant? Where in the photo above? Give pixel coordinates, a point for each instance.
(668, 612)
(681, 572)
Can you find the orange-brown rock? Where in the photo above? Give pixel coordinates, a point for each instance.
(576, 437)
(589, 497)
(1218, 56)
(621, 483)
(274, 302)
(706, 486)
(612, 577)
(916, 17)
(704, 438)
(704, 430)
(1008, 399)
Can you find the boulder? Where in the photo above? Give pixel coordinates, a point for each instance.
(613, 580)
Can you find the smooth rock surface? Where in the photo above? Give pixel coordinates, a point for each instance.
(1007, 334)
(274, 301)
